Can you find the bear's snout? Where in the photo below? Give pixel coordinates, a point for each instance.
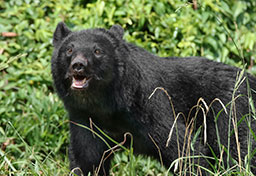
(79, 64)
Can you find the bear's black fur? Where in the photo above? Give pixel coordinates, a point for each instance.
(100, 76)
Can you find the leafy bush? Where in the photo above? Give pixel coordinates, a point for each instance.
(33, 123)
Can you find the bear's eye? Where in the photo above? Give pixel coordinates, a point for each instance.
(69, 51)
(97, 52)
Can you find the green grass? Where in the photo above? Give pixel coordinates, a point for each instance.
(34, 133)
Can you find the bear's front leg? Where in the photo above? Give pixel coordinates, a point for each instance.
(86, 152)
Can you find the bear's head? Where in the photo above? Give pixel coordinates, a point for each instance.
(85, 61)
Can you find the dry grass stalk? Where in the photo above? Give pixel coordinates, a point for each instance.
(189, 127)
(111, 151)
(158, 149)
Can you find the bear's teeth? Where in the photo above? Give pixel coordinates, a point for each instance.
(78, 83)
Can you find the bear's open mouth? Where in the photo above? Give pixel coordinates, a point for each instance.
(80, 82)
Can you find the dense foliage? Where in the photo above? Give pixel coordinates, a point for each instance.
(33, 123)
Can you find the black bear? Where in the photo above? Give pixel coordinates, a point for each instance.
(100, 76)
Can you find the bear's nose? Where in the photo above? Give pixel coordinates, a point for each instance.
(79, 64)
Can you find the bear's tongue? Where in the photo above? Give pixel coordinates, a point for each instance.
(79, 83)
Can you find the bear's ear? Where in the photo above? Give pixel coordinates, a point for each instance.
(118, 31)
(60, 33)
